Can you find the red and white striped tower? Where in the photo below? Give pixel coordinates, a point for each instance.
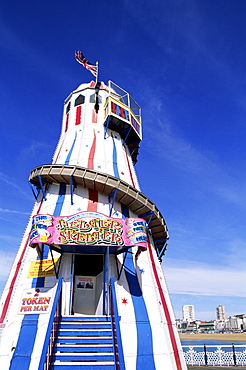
(92, 227)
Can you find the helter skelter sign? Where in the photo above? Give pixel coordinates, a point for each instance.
(89, 228)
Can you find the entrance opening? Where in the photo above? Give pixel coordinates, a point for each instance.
(88, 284)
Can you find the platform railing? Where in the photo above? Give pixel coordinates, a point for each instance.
(118, 348)
(52, 328)
(215, 355)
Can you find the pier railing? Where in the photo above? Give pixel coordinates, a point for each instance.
(214, 355)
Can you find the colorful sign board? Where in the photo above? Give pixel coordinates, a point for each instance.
(89, 228)
(42, 268)
(35, 301)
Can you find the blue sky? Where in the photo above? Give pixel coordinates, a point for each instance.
(183, 61)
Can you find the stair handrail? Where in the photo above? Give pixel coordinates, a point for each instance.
(118, 348)
(52, 328)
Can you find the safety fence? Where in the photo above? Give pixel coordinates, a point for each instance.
(214, 355)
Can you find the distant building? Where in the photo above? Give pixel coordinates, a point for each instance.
(207, 326)
(237, 323)
(242, 322)
(220, 325)
(220, 312)
(188, 313)
(234, 323)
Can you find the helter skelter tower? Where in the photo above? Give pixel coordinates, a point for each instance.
(86, 290)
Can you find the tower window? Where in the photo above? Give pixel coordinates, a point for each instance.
(68, 107)
(93, 98)
(79, 100)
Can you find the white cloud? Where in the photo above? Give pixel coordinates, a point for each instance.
(6, 261)
(34, 148)
(9, 239)
(202, 279)
(205, 168)
(13, 183)
(6, 210)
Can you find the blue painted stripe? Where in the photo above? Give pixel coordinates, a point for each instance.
(115, 165)
(39, 282)
(27, 336)
(145, 357)
(71, 150)
(124, 211)
(60, 200)
(22, 355)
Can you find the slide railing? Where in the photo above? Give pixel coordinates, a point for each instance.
(52, 328)
(118, 348)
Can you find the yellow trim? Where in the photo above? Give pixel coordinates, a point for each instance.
(130, 112)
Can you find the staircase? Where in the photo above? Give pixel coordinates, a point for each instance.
(84, 342)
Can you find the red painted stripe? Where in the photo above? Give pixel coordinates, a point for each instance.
(59, 152)
(130, 169)
(92, 153)
(78, 115)
(94, 116)
(166, 311)
(67, 119)
(122, 114)
(113, 107)
(12, 284)
(93, 200)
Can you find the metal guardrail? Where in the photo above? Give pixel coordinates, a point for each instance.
(223, 355)
(118, 349)
(52, 328)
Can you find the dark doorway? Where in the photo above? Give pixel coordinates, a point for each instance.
(88, 264)
(88, 284)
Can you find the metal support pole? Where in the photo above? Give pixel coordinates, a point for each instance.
(128, 132)
(106, 127)
(205, 355)
(162, 252)
(123, 264)
(151, 214)
(41, 186)
(56, 272)
(106, 283)
(71, 286)
(112, 194)
(35, 195)
(71, 188)
(234, 355)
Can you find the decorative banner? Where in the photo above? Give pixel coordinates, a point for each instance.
(42, 268)
(35, 301)
(89, 228)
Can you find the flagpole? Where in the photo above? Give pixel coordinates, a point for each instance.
(97, 72)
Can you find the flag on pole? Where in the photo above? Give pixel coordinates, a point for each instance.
(81, 59)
